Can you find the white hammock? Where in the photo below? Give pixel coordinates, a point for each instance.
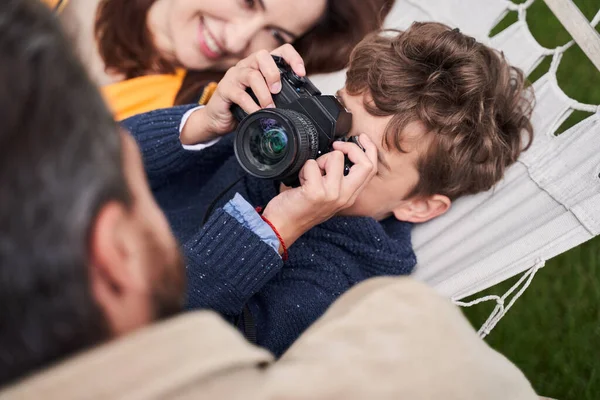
(548, 202)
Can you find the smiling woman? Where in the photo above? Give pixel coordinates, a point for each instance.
(216, 34)
(157, 53)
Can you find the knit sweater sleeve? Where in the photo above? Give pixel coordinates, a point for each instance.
(287, 306)
(324, 264)
(157, 135)
(227, 264)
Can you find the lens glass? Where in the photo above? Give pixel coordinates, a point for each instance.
(268, 141)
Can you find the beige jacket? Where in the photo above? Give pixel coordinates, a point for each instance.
(388, 338)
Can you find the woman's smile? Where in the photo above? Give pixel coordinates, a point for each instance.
(209, 45)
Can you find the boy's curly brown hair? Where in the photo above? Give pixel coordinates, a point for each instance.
(474, 105)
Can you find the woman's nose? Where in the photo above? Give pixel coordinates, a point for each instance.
(239, 35)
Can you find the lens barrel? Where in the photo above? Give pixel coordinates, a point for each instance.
(275, 143)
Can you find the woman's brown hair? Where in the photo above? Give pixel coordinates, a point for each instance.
(126, 45)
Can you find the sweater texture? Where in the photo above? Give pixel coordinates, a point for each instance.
(228, 266)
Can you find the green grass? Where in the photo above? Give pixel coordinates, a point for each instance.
(553, 331)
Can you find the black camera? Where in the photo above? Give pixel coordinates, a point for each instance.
(275, 143)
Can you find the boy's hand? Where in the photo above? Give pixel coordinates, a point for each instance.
(324, 189)
(258, 72)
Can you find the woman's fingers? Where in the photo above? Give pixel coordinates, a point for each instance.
(263, 61)
(260, 72)
(292, 57)
(245, 101)
(269, 70)
(255, 80)
(232, 90)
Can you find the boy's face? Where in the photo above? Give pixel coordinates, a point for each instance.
(387, 193)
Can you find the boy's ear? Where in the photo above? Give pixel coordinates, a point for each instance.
(422, 209)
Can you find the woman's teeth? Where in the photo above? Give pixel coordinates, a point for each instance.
(211, 43)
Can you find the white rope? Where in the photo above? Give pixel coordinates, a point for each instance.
(521, 8)
(500, 310)
(557, 55)
(556, 59)
(596, 19)
(565, 47)
(590, 108)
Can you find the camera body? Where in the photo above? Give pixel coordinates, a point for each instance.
(275, 143)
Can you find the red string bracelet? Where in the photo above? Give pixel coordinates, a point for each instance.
(284, 256)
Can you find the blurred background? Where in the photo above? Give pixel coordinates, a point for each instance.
(553, 331)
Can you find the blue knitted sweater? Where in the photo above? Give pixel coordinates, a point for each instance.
(228, 266)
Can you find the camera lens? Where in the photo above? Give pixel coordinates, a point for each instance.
(268, 141)
(275, 143)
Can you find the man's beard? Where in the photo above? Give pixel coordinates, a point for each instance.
(167, 279)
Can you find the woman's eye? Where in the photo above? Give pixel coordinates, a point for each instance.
(278, 37)
(250, 3)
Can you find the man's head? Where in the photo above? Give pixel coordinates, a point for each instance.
(447, 113)
(85, 254)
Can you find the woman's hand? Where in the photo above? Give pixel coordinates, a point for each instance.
(257, 72)
(324, 189)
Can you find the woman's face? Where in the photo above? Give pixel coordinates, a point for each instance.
(216, 34)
